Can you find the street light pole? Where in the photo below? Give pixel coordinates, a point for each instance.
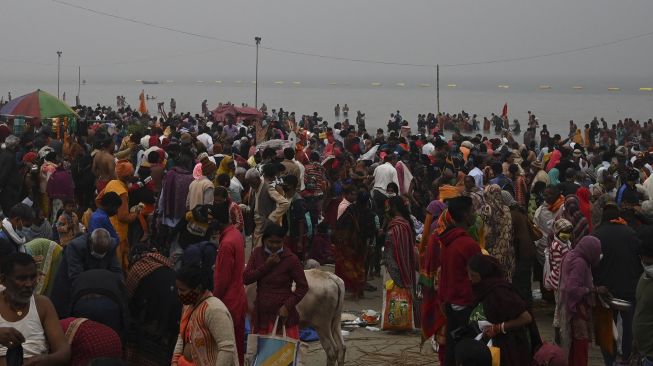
(258, 42)
(437, 85)
(58, 70)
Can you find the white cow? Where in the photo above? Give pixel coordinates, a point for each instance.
(321, 308)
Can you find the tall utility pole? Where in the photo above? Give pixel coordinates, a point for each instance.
(258, 42)
(58, 70)
(79, 82)
(437, 85)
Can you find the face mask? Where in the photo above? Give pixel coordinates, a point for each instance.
(564, 236)
(189, 298)
(277, 252)
(648, 269)
(98, 255)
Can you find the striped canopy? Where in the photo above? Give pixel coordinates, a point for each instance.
(38, 104)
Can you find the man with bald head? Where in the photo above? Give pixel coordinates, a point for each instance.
(86, 252)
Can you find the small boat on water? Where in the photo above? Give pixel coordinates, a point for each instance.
(451, 85)
(424, 85)
(280, 82)
(545, 87)
(376, 83)
(401, 84)
(577, 87)
(333, 83)
(199, 81)
(149, 82)
(218, 81)
(645, 89)
(296, 83)
(503, 86)
(614, 89)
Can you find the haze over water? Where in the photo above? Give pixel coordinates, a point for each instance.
(596, 44)
(554, 107)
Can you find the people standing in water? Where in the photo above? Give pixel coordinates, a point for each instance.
(173, 106)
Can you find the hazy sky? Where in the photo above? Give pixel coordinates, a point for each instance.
(409, 31)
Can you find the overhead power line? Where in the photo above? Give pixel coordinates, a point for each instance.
(346, 59)
(556, 53)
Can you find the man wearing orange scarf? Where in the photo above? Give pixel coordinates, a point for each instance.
(553, 199)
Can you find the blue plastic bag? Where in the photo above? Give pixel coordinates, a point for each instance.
(308, 335)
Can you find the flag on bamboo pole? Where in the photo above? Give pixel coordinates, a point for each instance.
(142, 107)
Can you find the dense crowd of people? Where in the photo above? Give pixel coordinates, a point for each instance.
(125, 233)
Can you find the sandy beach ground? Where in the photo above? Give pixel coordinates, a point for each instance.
(375, 348)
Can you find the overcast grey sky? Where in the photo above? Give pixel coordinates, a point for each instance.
(409, 31)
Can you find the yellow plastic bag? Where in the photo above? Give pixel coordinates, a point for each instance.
(496, 354)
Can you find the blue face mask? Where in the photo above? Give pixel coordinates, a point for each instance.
(270, 252)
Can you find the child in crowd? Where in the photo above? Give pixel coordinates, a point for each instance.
(68, 224)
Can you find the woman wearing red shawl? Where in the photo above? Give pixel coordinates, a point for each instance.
(513, 329)
(400, 247)
(585, 207)
(556, 155)
(577, 297)
(429, 261)
(431, 317)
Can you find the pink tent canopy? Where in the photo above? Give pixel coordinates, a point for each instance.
(220, 114)
(238, 113)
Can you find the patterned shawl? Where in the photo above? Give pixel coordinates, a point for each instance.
(142, 268)
(402, 239)
(47, 255)
(571, 211)
(499, 235)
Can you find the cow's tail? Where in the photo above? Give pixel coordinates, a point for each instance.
(341, 293)
(336, 322)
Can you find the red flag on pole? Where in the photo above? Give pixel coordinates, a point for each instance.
(142, 107)
(504, 113)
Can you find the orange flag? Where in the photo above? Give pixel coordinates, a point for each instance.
(142, 107)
